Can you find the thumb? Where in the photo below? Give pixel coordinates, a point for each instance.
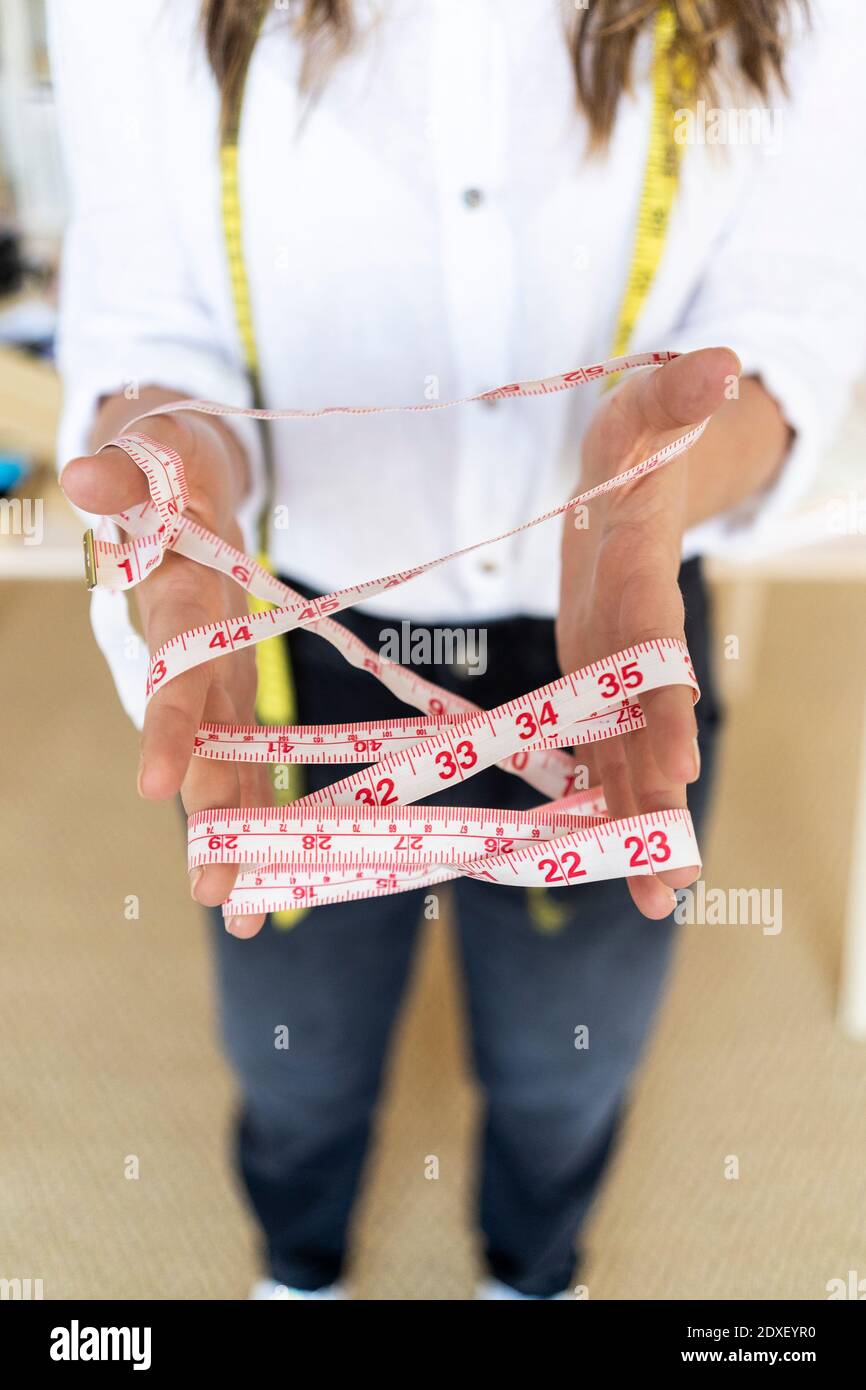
(682, 392)
(104, 483)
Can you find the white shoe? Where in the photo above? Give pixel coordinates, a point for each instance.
(495, 1289)
(268, 1289)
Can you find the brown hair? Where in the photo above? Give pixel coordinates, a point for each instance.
(601, 39)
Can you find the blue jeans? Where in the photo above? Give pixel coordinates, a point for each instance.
(336, 980)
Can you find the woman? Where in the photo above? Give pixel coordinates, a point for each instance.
(435, 198)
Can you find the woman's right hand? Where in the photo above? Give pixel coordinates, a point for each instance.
(178, 595)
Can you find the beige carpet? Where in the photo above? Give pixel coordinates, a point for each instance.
(109, 1061)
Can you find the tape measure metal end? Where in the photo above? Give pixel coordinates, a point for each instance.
(89, 559)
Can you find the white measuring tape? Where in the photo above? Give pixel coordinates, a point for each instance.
(363, 836)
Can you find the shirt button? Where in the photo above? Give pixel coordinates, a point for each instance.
(473, 197)
(488, 566)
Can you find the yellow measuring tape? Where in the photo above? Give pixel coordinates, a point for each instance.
(275, 703)
(275, 691)
(672, 86)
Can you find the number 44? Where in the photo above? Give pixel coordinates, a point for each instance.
(223, 639)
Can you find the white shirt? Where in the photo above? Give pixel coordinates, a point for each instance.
(375, 279)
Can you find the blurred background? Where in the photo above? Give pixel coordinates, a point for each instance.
(741, 1174)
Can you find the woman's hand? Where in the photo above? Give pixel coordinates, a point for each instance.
(619, 585)
(178, 595)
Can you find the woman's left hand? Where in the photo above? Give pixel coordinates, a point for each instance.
(619, 585)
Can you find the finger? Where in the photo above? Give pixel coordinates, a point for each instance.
(650, 895)
(663, 757)
(171, 722)
(586, 774)
(673, 733)
(255, 784)
(612, 765)
(104, 483)
(654, 791)
(174, 599)
(255, 790)
(653, 897)
(206, 785)
(651, 609)
(680, 393)
(243, 927)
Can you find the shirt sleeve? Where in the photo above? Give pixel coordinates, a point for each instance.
(130, 315)
(786, 286)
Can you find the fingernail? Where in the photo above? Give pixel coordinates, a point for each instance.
(230, 924)
(697, 759)
(138, 777)
(193, 882)
(670, 896)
